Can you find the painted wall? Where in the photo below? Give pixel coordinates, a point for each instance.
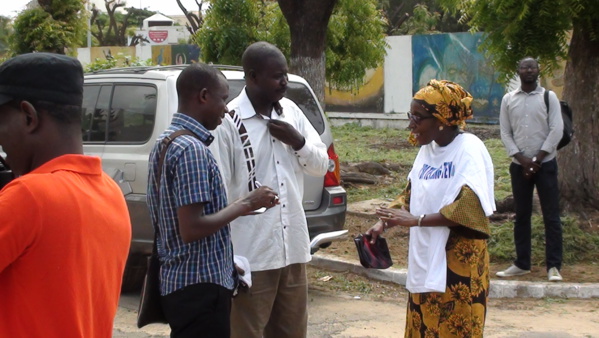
(412, 61)
(455, 57)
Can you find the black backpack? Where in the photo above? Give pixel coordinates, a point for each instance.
(567, 117)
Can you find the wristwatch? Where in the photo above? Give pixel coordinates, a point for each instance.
(534, 159)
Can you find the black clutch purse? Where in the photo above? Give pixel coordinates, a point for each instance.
(373, 256)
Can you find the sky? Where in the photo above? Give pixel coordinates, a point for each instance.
(168, 7)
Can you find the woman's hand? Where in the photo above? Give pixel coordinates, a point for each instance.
(376, 231)
(395, 217)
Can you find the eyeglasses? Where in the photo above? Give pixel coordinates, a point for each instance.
(418, 118)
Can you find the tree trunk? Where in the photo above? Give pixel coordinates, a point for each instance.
(579, 161)
(308, 21)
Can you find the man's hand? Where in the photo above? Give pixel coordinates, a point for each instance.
(261, 197)
(529, 168)
(285, 133)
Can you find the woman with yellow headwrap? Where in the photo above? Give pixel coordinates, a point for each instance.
(446, 206)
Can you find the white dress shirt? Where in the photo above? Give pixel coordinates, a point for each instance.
(278, 237)
(526, 125)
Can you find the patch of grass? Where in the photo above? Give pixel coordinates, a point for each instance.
(343, 281)
(354, 143)
(501, 164)
(383, 191)
(579, 246)
(358, 144)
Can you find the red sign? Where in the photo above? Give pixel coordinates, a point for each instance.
(158, 36)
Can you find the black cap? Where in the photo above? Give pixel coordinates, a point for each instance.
(42, 76)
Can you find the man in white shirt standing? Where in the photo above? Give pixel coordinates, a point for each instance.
(531, 133)
(269, 141)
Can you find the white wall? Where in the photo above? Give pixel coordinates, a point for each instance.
(398, 74)
(84, 55)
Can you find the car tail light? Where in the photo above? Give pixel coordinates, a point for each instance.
(333, 175)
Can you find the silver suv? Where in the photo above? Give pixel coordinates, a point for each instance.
(126, 109)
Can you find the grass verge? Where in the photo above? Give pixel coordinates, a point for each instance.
(362, 144)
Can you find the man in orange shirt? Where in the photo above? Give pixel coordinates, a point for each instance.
(64, 225)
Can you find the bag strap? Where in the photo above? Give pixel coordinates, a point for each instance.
(248, 151)
(166, 141)
(546, 97)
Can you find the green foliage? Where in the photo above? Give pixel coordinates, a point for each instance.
(120, 60)
(273, 27)
(53, 28)
(355, 37)
(5, 32)
(396, 12)
(355, 42)
(107, 33)
(229, 27)
(421, 22)
(518, 28)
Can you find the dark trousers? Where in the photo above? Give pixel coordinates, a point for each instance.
(547, 187)
(199, 310)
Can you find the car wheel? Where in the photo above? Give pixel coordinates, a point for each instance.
(325, 245)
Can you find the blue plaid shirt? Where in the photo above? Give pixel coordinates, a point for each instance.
(190, 175)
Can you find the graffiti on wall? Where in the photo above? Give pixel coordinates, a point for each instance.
(175, 54)
(455, 57)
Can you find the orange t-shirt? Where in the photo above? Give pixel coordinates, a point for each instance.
(64, 239)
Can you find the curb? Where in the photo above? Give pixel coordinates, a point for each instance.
(497, 289)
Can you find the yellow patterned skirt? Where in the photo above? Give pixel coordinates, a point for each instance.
(460, 311)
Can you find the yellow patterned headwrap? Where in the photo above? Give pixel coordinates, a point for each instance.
(450, 101)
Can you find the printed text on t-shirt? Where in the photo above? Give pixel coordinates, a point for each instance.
(447, 170)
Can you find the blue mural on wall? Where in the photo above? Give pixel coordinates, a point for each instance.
(455, 57)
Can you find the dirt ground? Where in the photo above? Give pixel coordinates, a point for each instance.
(379, 311)
(345, 305)
(397, 239)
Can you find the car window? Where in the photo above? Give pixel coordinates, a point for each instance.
(96, 108)
(301, 95)
(132, 113)
(129, 118)
(298, 93)
(90, 97)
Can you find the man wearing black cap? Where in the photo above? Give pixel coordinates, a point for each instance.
(64, 224)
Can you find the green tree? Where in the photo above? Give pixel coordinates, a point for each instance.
(308, 21)
(355, 36)
(422, 21)
(273, 27)
(113, 28)
(400, 12)
(53, 26)
(540, 28)
(355, 42)
(229, 27)
(5, 33)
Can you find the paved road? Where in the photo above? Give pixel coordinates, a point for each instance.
(346, 316)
